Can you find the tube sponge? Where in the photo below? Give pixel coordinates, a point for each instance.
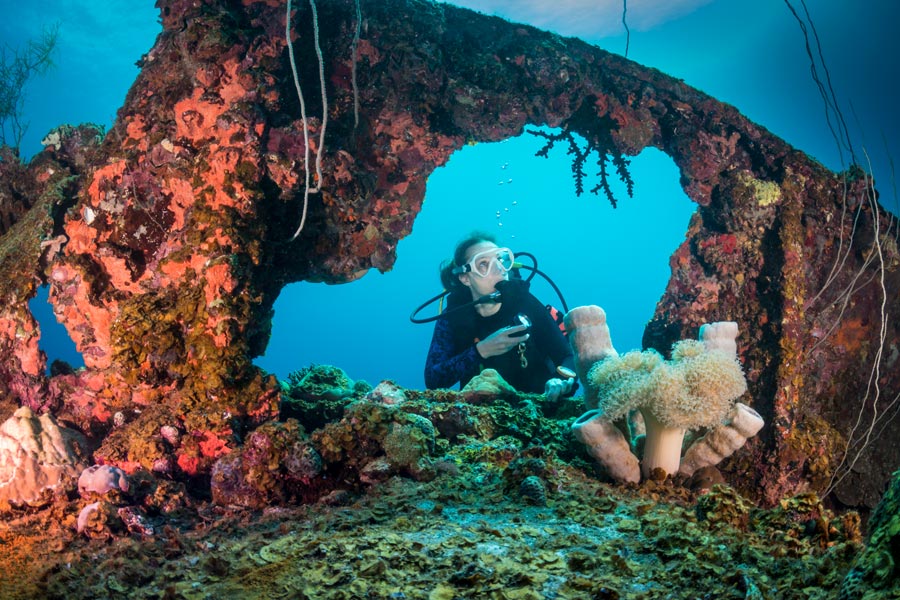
(721, 442)
(590, 341)
(608, 446)
(720, 336)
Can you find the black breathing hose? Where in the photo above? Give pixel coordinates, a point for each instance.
(495, 297)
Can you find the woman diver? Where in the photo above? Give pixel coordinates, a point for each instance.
(492, 321)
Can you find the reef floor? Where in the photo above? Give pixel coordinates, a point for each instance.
(467, 533)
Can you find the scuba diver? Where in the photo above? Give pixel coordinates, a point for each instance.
(492, 321)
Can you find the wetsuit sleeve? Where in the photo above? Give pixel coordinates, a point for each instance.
(445, 365)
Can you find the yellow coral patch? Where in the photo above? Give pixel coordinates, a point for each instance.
(766, 193)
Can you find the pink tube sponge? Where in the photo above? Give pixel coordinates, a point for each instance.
(608, 446)
(720, 336)
(590, 341)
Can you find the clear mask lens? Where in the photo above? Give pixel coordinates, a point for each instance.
(495, 261)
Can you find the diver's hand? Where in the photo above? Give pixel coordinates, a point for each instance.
(557, 387)
(502, 341)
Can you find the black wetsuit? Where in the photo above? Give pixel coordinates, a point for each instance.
(453, 357)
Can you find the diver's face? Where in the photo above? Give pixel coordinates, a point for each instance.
(482, 285)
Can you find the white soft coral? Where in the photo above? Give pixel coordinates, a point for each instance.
(697, 388)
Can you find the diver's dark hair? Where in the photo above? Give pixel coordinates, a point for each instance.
(450, 281)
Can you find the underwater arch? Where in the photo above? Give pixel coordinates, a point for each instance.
(596, 254)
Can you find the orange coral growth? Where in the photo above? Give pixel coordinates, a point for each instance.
(129, 466)
(119, 271)
(212, 446)
(82, 237)
(151, 395)
(181, 195)
(88, 324)
(176, 270)
(23, 337)
(195, 118)
(8, 327)
(189, 464)
(104, 176)
(852, 334)
(136, 129)
(219, 281)
(29, 354)
(222, 165)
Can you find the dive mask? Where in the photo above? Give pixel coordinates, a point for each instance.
(496, 261)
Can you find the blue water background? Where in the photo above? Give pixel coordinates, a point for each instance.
(747, 53)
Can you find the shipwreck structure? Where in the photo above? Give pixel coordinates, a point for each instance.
(166, 241)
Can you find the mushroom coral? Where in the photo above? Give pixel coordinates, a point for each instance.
(696, 388)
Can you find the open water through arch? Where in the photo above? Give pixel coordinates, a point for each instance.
(616, 258)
